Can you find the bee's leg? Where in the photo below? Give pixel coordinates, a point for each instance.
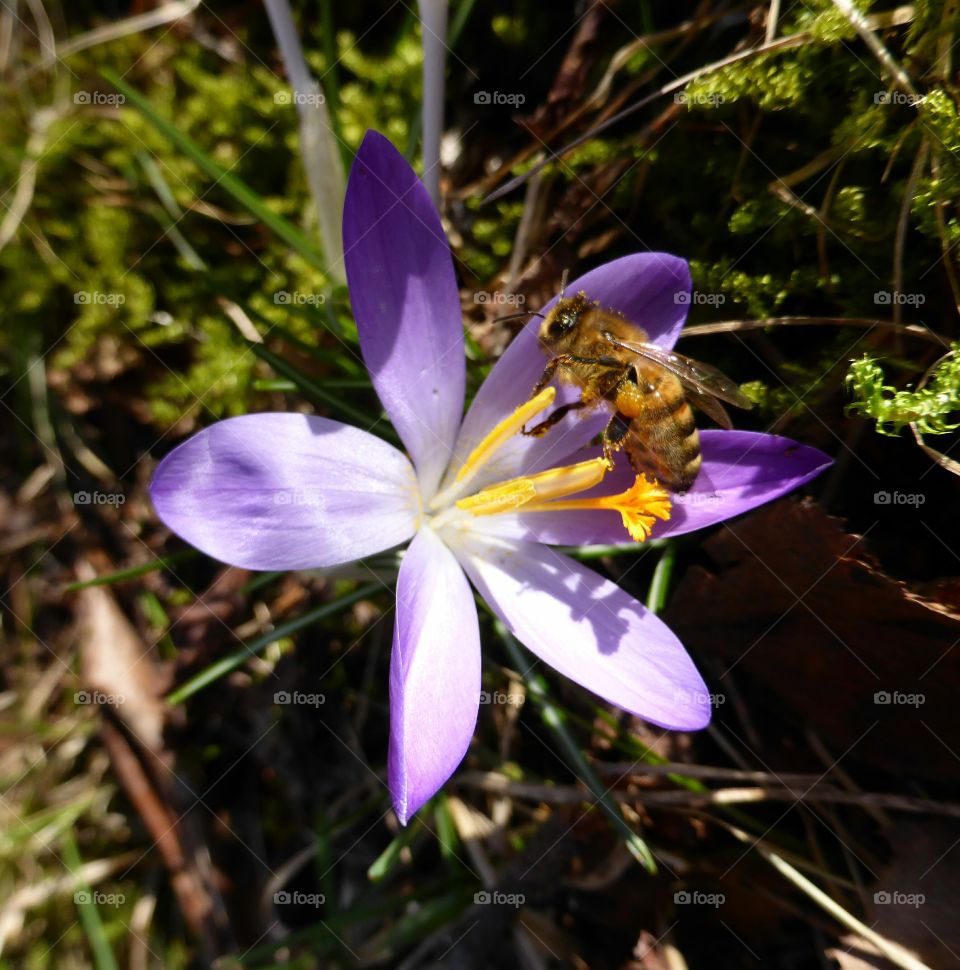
(558, 415)
(547, 374)
(613, 435)
(563, 360)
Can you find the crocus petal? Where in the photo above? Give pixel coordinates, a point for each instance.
(651, 289)
(741, 470)
(405, 301)
(286, 491)
(434, 673)
(589, 630)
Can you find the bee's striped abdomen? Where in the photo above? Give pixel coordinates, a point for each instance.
(663, 438)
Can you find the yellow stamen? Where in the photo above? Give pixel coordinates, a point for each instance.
(555, 483)
(505, 430)
(639, 506)
(502, 433)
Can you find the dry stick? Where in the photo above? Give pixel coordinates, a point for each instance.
(601, 94)
(863, 28)
(741, 709)
(816, 848)
(836, 826)
(945, 244)
(40, 125)
(773, 15)
(822, 222)
(892, 951)
(938, 456)
(900, 238)
(945, 69)
(564, 795)
(6, 37)
(820, 749)
(735, 326)
(600, 98)
(203, 911)
(165, 14)
(785, 43)
(891, 18)
(521, 241)
(620, 768)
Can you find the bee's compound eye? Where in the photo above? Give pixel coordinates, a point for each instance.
(562, 324)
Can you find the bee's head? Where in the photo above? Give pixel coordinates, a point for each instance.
(562, 320)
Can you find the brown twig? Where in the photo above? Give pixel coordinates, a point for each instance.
(736, 326)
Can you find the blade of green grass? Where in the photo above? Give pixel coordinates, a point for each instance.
(330, 79)
(387, 861)
(459, 21)
(320, 395)
(553, 717)
(232, 661)
(89, 915)
(133, 571)
(447, 836)
(246, 196)
(283, 386)
(165, 195)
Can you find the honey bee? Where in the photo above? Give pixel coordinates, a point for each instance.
(648, 389)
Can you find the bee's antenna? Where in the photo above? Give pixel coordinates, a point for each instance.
(563, 282)
(522, 313)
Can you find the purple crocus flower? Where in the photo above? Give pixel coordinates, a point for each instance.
(477, 502)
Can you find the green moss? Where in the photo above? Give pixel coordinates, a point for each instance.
(930, 408)
(386, 92)
(509, 30)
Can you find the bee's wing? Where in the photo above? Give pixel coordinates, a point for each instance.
(704, 380)
(711, 407)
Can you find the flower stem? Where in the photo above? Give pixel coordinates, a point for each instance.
(657, 594)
